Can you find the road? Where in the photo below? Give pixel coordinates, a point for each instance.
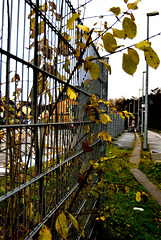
(154, 141)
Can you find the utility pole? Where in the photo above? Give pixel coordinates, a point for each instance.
(146, 89)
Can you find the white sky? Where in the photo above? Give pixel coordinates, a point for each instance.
(120, 83)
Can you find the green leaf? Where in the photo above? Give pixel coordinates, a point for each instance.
(61, 225)
(74, 222)
(106, 65)
(70, 21)
(94, 71)
(130, 61)
(115, 10)
(129, 27)
(109, 42)
(152, 58)
(119, 33)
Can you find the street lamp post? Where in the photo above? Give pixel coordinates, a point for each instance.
(139, 111)
(146, 89)
(142, 106)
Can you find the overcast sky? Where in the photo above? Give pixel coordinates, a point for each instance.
(120, 83)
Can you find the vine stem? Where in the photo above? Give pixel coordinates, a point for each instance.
(107, 55)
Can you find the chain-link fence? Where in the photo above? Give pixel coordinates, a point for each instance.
(44, 123)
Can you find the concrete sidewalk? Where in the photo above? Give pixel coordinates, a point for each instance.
(154, 142)
(139, 176)
(125, 140)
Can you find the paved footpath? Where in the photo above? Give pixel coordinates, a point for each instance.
(126, 141)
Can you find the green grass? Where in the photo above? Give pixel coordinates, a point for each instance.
(150, 168)
(122, 221)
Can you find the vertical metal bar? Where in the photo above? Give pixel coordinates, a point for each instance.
(142, 107)
(35, 90)
(146, 96)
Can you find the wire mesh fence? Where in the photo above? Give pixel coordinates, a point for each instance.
(43, 121)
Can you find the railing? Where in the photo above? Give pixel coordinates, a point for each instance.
(42, 126)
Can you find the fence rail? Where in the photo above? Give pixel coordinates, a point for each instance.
(42, 120)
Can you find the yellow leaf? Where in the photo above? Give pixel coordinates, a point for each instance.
(74, 222)
(105, 118)
(32, 24)
(77, 54)
(83, 232)
(102, 218)
(82, 45)
(122, 116)
(115, 10)
(26, 109)
(130, 61)
(129, 27)
(106, 65)
(103, 166)
(16, 77)
(1, 134)
(70, 21)
(44, 234)
(86, 83)
(95, 165)
(42, 8)
(92, 136)
(133, 5)
(83, 28)
(138, 196)
(88, 63)
(71, 93)
(31, 14)
(109, 42)
(66, 36)
(100, 185)
(119, 33)
(143, 45)
(86, 128)
(94, 71)
(95, 194)
(87, 38)
(105, 25)
(61, 225)
(104, 135)
(152, 58)
(66, 66)
(127, 189)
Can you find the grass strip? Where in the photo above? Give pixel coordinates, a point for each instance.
(150, 168)
(121, 191)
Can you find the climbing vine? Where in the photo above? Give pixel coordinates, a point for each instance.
(92, 110)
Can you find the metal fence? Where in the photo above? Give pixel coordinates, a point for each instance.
(43, 127)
